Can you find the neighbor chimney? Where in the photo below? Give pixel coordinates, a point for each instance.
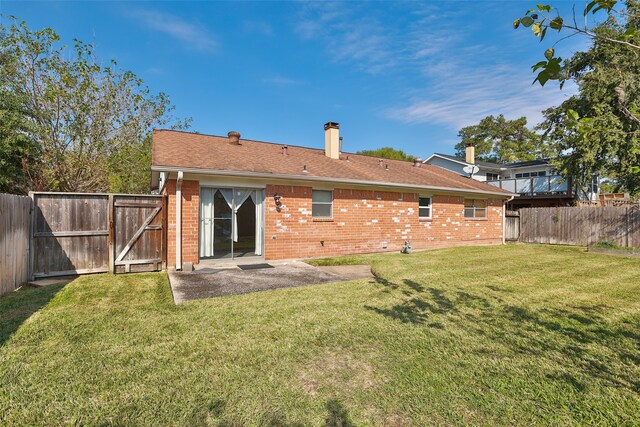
(332, 140)
(470, 153)
(234, 137)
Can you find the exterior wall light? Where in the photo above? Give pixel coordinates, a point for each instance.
(278, 200)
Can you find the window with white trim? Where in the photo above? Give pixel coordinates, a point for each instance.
(424, 207)
(531, 174)
(322, 204)
(475, 208)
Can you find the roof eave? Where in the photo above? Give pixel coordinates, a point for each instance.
(483, 166)
(248, 174)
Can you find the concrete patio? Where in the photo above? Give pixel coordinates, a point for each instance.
(211, 280)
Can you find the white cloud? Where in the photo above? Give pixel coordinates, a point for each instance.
(362, 39)
(464, 95)
(257, 27)
(449, 77)
(277, 80)
(192, 34)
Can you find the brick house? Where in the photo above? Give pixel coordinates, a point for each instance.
(233, 198)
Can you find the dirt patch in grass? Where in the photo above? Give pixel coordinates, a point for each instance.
(336, 370)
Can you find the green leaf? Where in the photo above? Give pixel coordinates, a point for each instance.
(553, 67)
(534, 15)
(543, 33)
(545, 8)
(556, 23)
(549, 53)
(527, 21)
(537, 29)
(543, 77)
(589, 7)
(530, 11)
(631, 32)
(516, 23)
(573, 115)
(539, 65)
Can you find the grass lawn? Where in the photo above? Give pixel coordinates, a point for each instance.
(509, 335)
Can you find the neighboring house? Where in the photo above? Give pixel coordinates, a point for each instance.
(536, 182)
(231, 197)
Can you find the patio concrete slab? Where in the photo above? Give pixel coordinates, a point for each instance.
(212, 282)
(349, 272)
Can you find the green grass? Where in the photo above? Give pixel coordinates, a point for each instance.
(609, 245)
(510, 335)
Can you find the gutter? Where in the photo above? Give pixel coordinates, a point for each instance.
(179, 221)
(331, 180)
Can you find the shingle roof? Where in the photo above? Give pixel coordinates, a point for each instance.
(173, 150)
(463, 160)
(541, 162)
(493, 165)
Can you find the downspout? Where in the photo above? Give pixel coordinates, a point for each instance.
(179, 221)
(504, 219)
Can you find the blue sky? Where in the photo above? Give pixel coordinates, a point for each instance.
(402, 74)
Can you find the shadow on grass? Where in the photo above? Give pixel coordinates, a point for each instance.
(337, 416)
(421, 303)
(18, 306)
(579, 337)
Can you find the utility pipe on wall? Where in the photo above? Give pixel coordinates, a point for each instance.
(179, 221)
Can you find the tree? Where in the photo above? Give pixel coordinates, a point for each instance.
(388, 153)
(17, 148)
(91, 123)
(497, 139)
(544, 17)
(598, 130)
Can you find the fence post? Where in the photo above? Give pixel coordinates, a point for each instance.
(32, 230)
(110, 237)
(626, 218)
(165, 230)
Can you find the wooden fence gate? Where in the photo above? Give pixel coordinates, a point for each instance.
(138, 232)
(76, 233)
(511, 226)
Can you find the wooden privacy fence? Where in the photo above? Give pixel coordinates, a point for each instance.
(14, 241)
(581, 226)
(511, 226)
(75, 233)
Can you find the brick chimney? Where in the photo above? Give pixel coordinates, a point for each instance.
(332, 140)
(234, 137)
(470, 153)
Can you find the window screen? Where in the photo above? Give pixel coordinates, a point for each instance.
(424, 208)
(322, 204)
(475, 208)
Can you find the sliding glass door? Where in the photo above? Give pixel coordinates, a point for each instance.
(231, 222)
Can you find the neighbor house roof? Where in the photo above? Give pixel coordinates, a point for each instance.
(207, 154)
(463, 160)
(515, 165)
(492, 165)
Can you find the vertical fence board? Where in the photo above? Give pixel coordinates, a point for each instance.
(15, 224)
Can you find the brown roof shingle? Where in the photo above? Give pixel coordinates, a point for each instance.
(175, 149)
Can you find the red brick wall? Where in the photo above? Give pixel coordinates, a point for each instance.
(363, 220)
(190, 221)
